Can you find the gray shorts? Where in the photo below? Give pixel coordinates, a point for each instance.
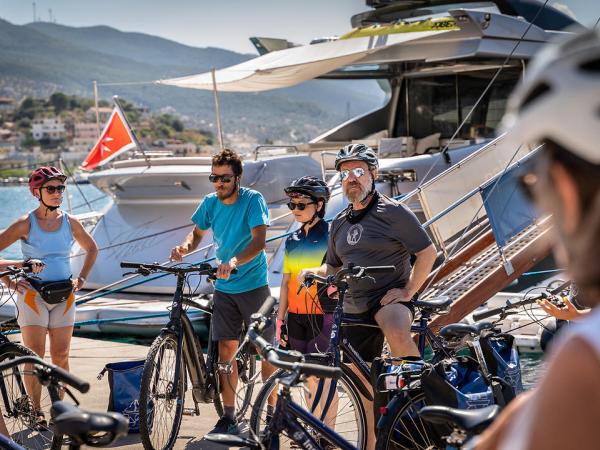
(33, 310)
(231, 310)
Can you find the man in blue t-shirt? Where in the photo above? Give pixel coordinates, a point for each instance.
(238, 218)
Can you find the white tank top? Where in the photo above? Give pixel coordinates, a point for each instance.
(588, 329)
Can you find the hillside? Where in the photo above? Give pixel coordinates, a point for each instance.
(41, 58)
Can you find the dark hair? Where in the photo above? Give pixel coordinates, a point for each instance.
(228, 157)
(585, 174)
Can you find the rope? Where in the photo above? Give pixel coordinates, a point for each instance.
(540, 272)
(118, 319)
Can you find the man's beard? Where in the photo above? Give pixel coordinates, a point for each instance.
(225, 194)
(355, 196)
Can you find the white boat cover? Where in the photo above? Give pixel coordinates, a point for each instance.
(284, 68)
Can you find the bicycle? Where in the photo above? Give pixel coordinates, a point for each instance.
(400, 427)
(349, 386)
(289, 418)
(82, 427)
(175, 356)
(24, 419)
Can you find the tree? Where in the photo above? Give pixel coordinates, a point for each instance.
(59, 101)
(177, 125)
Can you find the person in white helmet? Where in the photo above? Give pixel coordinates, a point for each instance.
(558, 105)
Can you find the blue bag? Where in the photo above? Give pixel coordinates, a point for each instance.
(457, 384)
(502, 359)
(124, 380)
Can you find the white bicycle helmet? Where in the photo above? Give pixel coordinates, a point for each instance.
(559, 98)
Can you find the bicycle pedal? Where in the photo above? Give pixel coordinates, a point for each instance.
(189, 412)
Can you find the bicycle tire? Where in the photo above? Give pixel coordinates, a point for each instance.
(154, 399)
(404, 429)
(17, 407)
(348, 411)
(246, 366)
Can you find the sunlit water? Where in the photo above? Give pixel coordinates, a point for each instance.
(16, 201)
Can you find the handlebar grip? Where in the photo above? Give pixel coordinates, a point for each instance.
(70, 379)
(321, 371)
(267, 307)
(380, 269)
(485, 314)
(129, 265)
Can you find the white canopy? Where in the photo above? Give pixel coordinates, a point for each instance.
(284, 68)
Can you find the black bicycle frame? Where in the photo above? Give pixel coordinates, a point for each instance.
(180, 325)
(286, 417)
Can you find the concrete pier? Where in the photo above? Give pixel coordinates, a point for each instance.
(88, 358)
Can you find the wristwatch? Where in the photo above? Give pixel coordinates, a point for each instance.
(81, 278)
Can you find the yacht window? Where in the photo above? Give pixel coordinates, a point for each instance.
(438, 104)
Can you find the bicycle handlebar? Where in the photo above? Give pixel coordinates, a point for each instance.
(516, 304)
(55, 372)
(12, 270)
(351, 271)
(147, 268)
(267, 307)
(277, 357)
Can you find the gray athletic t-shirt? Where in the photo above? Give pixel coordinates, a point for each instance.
(387, 235)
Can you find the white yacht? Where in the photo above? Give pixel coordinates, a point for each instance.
(435, 60)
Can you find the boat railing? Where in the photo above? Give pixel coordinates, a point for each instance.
(274, 150)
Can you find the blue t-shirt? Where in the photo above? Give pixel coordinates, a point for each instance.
(231, 226)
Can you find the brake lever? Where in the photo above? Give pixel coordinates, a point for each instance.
(70, 394)
(129, 273)
(370, 278)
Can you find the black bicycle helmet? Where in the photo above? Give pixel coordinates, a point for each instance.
(310, 186)
(356, 152)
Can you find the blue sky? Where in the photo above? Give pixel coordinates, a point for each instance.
(221, 23)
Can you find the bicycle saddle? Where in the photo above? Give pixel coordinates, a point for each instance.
(89, 428)
(471, 420)
(457, 330)
(435, 304)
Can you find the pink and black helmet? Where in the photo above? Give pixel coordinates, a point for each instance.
(42, 175)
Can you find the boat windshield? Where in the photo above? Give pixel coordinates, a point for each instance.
(438, 104)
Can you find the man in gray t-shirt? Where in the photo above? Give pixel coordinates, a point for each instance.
(387, 234)
(376, 230)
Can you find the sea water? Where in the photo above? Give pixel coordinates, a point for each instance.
(16, 201)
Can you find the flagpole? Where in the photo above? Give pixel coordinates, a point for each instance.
(217, 109)
(96, 105)
(135, 139)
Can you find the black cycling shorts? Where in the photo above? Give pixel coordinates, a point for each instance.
(367, 340)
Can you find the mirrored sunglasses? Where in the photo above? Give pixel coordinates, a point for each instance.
(223, 178)
(300, 206)
(357, 171)
(52, 189)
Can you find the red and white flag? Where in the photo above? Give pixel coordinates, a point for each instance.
(115, 139)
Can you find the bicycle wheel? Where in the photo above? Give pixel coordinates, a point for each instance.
(405, 429)
(22, 417)
(348, 419)
(161, 396)
(247, 376)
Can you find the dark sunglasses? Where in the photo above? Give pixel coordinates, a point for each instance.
(224, 178)
(300, 206)
(52, 189)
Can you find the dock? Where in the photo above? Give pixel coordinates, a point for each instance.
(88, 358)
